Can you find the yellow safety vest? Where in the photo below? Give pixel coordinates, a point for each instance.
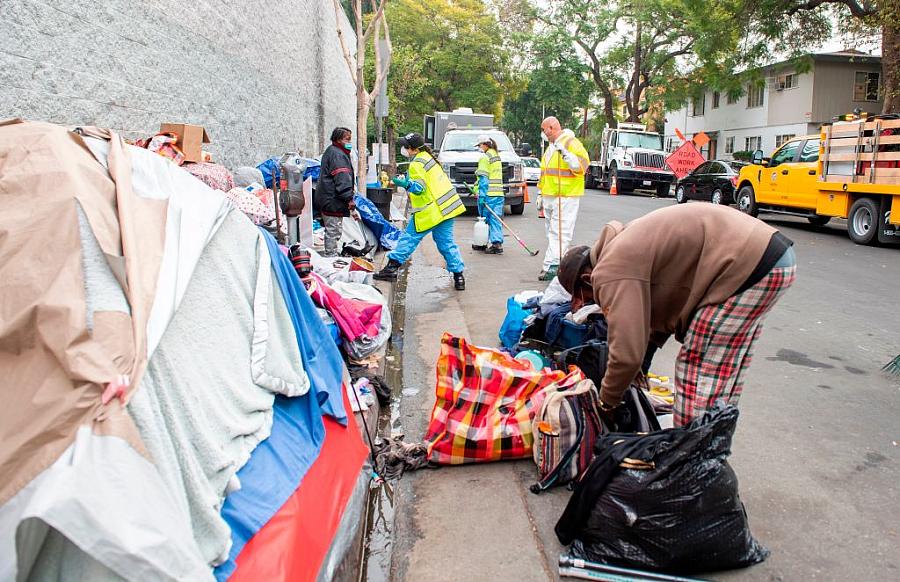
(438, 201)
(489, 165)
(557, 179)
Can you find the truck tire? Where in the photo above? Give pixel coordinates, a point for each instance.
(664, 190)
(746, 201)
(589, 182)
(862, 222)
(818, 220)
(517, 209)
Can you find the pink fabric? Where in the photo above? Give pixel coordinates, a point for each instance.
(213, 175)
(354, 318)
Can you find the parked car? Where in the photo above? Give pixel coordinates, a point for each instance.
(532, 170)
(715, 181)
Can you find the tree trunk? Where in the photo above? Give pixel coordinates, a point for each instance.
(609, 108)
(890, 56)
(362, 103)
(633, 96)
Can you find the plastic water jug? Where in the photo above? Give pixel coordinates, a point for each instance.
(480, 233)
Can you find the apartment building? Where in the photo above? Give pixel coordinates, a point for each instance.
(791, 103)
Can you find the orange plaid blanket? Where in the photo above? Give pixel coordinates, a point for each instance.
(486, 400)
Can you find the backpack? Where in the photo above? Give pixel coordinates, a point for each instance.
(564, 433)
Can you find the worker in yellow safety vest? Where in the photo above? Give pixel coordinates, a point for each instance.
(490, 193)
(561, 186)
(434, 204)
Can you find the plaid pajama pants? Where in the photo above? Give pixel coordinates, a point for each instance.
(718, 346)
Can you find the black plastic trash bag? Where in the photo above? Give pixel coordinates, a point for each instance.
(665, 501)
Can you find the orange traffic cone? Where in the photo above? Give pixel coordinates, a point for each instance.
(613, 189)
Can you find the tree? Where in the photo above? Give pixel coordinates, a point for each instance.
(365, 97)
(457, 46)
(637, 46)
(557, 85)
(811, 20)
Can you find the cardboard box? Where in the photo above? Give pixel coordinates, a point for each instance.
(190, 139)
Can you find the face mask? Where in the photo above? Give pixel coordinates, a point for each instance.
(348, 146)
(404, 152)
(544, 135)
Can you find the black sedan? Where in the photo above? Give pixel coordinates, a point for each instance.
(715, 181)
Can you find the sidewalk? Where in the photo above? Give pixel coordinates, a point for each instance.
(468, 522)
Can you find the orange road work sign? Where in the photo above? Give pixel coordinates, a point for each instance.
(683, 160)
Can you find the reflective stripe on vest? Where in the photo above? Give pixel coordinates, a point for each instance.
(430, 208)
(557, 178)
(490, 166)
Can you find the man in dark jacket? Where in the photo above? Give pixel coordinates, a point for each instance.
(334, 192)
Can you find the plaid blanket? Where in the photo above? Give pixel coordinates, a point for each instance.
(485, 403)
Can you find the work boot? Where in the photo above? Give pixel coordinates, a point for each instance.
(495, 249)
(479, 247)
(549, 274)
(459, 281)
(389, 272)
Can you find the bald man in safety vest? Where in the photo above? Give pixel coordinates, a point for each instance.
(561, 186)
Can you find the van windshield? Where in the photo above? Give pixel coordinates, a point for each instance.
(650, 141)
(456, 141)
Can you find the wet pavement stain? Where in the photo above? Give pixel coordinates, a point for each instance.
(872, 460)
(796, 358)
(855, 371)
(825, 387)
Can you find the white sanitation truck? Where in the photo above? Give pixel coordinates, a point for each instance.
(634, 158)
(453, 136)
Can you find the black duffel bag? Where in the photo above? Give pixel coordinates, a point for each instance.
(665, 501)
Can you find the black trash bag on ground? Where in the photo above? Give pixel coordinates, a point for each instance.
(666, 501)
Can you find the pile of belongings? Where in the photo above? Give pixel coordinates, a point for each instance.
(175, 408)
(666, 501)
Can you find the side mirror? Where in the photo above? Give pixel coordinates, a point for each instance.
(757, 157)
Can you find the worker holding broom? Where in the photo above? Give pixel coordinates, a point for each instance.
(490, 193)
(705, 273)
(561, 186)
(434, 204)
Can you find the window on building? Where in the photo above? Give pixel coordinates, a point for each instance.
(755, 95)
(780, 140)
(715, 104)
(751, 144)
(729, 145)
(866, 86)
(698, 104)
(785, 154)
(788, 81)
(810, 151)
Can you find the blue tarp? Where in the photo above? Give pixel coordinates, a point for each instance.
(271, 167)
(275, 470)
(321, 357)
(387, 233)
(277, 466)
(513, 324)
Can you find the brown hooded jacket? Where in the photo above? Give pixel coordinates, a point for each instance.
(652, 275)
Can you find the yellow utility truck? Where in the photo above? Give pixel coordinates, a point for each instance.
(851, 170)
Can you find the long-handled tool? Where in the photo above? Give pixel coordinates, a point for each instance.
(511, 231)
(585, 570)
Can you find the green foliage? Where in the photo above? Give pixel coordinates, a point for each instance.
(447, 54)
(556, 84)
(742, 156)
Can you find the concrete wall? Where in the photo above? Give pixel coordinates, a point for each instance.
(834, 90)
(263, 76)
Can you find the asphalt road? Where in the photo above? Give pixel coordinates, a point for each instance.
(817, 449)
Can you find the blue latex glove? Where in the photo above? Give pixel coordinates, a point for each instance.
(402, 181)
(482, 185)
